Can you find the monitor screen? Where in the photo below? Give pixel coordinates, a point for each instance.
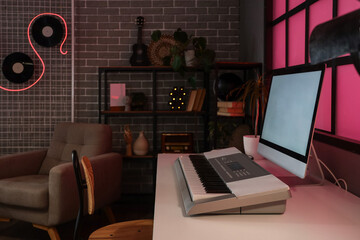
(290, 116)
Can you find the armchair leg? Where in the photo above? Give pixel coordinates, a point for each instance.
(109, 214)
(53, 233)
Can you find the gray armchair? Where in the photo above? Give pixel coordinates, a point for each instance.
(40, 187)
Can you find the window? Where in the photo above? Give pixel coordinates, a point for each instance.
(290, 24)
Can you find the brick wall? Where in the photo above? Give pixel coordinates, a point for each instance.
(27, 118)
(105, 33)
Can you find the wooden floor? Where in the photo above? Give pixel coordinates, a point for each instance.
(131, 207)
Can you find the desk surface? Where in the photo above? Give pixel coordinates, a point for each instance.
(314, 212)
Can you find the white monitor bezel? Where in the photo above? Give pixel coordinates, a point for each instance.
(293, 162)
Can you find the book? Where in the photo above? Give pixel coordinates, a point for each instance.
(231, 110)
(230, 114)
(201, 100)
(230, 104)
(191, 100)
(197, 99)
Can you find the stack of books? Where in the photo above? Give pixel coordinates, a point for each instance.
(196, 100)
(231, 109)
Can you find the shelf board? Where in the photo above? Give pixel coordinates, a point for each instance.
(150, 113)
(238, 65)
(230, 65)
(142, 69)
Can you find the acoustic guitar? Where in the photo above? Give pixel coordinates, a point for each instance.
(139, 56)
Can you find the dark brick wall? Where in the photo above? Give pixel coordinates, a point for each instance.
(27, 118)
(105, 31)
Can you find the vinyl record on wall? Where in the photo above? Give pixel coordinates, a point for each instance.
(47, 31)
(18, 67)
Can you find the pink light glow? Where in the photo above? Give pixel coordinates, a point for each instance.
(297, 39)
(278, 8)
(295, 3)
(323, 117)
(37, 54)
(347, 6)
(348, 102)
(279, 45)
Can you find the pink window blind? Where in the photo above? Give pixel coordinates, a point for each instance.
(348, 102)
(279, 45)
(279, 8)
(297, 39)
(323, 118)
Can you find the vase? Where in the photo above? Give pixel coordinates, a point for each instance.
(141, 145)
(251, 143)
(190, 58)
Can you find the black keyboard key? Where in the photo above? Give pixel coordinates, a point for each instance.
(208, 176)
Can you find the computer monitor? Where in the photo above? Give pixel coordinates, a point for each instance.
(290, 116)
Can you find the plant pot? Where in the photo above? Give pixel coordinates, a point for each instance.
(250, 146)
(190, 58)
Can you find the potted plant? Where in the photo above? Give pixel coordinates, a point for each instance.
(220, 133)
(187, 44)
(255, 97)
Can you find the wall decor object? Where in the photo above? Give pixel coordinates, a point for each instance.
(139, 56)
(18, 67)
(177, 99)
(128, 140)
(117, 96)
(138, 101)
(47, 31)
(141, 145)
(160, 49)
(229, 86)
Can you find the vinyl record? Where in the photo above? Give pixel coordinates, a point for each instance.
(18, 67)
(47, 31)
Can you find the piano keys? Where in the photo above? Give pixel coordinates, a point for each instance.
(228, 181)
(202, 188)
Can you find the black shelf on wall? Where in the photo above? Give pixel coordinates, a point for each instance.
(221, 67)
(155, 113)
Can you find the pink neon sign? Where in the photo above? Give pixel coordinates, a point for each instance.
(37, 54)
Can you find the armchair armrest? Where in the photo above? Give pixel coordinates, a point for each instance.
(63, 189)
(63, 194)
(19, 164)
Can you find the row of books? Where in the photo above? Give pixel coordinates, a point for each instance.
(196, 100)
(231, 109)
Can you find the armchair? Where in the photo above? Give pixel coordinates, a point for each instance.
(40, 187)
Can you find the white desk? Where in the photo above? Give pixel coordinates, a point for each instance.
(314, 212)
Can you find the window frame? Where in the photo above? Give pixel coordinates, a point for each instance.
(328, 137)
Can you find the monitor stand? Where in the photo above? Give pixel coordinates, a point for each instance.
(314, 174)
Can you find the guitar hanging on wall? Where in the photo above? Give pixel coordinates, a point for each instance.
(139, 56)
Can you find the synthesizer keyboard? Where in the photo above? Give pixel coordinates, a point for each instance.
(227, 181)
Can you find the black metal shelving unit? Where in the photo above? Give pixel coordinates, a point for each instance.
(155, 113)
(241, 66)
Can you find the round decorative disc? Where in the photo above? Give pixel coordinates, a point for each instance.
(18, 67)
(47, 31)
(160, 49)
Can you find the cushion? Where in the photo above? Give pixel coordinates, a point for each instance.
(86, 138)
(29, 191)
